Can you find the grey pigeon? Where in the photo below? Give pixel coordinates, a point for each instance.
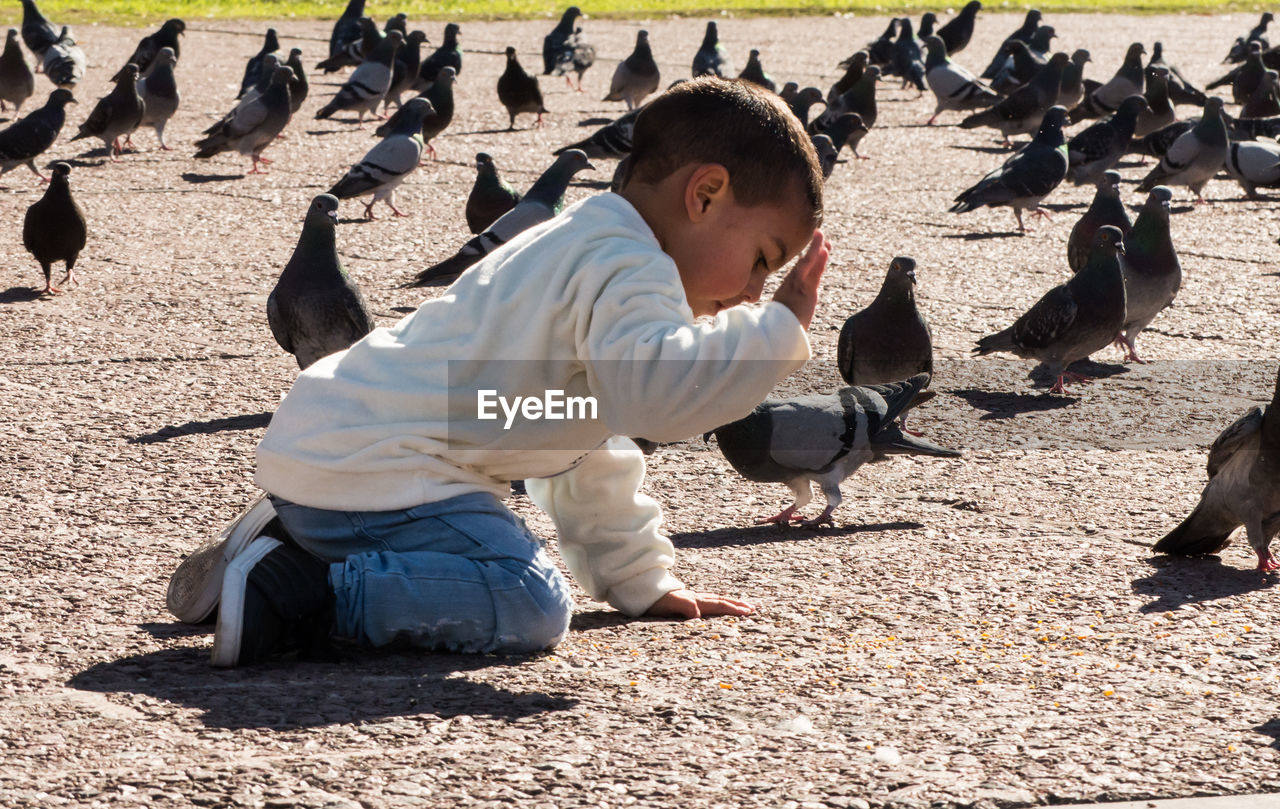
(1106, 209)
(253, 69)
(490, 197)
(554, 43)
(907, 61)
(861, 98)
(253, 127)
(1157, 143)
(857, 65)
(27, 138)
(956, 33)
(881, 50)
(440, 94)
(54, 228)
(269, 63)
(449, 54)
(711, 58)
(116, 114)
(404, 73)
(1243, 489)
(636, 76)
(366, 38)
(1100, 146)
(826, 152)
(1023, 34)
(347, 28)
(387, 164)
(149, 47)
(1152, 272)
(159, 92)
(64, 62)
(1127, 81)
(1022, 112)
(1240, 48)
(611, 140)
(823, 439)
(519, 92)
(954, 87)
(1023, 66)
(38, 33)
(368, 84)
(1074, 319)
(1254, 164)
(17, 82)
(578, 55)
(298, 84)
(803, 101)
(315, 308)
(1195, 156)
(846, 130)
(754, 72)
(1071, 90)
(1160, 112)
(543, 201)
(1244, 79)
(1181, 91)
(1263, 103)
(1025, 178)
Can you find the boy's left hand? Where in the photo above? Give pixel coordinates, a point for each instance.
(688, 604)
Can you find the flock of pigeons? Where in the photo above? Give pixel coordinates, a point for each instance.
(1125, 272)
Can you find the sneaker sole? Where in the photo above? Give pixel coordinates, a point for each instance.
(230, 631)
(194, 588)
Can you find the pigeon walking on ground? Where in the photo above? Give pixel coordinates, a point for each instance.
(823, 439)
(1071, 89)
(1195, 156)
(440, 94)
(1072, 320)
(1152, 272)
(27, 138)
(754, 72)
(1159, 112)
(253, 69)
(347, 28)
(860, 99)
(1254, 164)
(1106, 209)
(1240, 48)
(1025, 178)
(1243, 489)
(387, 164)
(17, 82)
(1022, 68)
(449, 54)
(954, 87)
(368, 84)
(115, 115)
(956, 33)
(578, 56)
(636, 76)
(544, 200)
(253, 127)
(149, 47)
(490, 197)
(519, 92)
(908, 61)
(54, 228)
(404, 73)
(38, 34)
(711, 58)
(363, 41)
(64, 62)
(315, 308)
(846, 130)
(554, 43)
(853, 71)
(1022, 112)
(1098, 147)
(159, 92)
(1127, 81)
(1023, 34)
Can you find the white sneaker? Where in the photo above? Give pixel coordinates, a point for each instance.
(196, 586)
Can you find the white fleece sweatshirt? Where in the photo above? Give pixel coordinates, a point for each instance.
(586, 303)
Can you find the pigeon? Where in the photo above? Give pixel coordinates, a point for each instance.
(440, 94)
(298, 84)
(405, 71)
(554, 43)
(159, 92)
(1126, 82)
(889, 341)
(1240, 48)
(490, 197)
(880, 51)
(368, 84)
(400, 22)
(927, 21)
(253, 127)
(387, 164)
(1181, 91)
(1157, 143)
(907, 60)
(346, 31)
(1106, 209)
(1071, 90)
(711, 59)
(1152, 272)
(957, 33)
(636, 76)
(17, 82)
(861, 99)
(1245, 78)
(1195, 156)
(27, 138)
(1263, 102)
(853, 71)
(1243, 489)
(1100, 146)
(1251, 128)
(823, 439)
(315, 308)
(1159, 112)
(363, 40)
(611, 140)
(64, 62)
(38, 34)
(1022, 112)
(519, 92)
(54, 228)
(447, 55)
(150, 45)
(578, 56)
(1254, 164)
(543, 201)
(827, 153)
(846, 130)
(1074, 319)
(954, 87)
(1029, 25)
(1025, 178)
(253, 71)
(1022, 68)
(754, 72)
(803, 101)
(116, 114)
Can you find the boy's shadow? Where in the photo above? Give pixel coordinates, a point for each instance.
(294, 695)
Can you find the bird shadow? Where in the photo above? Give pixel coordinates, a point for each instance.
(78, 163)
(1058, 207)
(500, 131)
(359, 220)
(404, 310)
(1182, 209)
(1178, 580)
(974, 237)
(192, 177)
(595, 121)
(1097, 370)
(761, 534)
(208, 427)
(1004, 405)
(290, 695)
(983, 149)
(20, 295)
(1271, 728)
(319, 132)
(595, 185)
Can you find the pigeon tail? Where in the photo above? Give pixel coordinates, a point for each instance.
(1000, 341)
(1197, 535)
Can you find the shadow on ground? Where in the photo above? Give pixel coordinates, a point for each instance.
(760, 534)
(246, 422)
(1179, 580)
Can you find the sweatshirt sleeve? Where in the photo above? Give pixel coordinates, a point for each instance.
(608, 529)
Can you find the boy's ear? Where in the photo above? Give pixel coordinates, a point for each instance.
(707, 185)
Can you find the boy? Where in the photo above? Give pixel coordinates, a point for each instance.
(387, 481)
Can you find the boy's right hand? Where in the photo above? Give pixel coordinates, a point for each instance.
(799, 290)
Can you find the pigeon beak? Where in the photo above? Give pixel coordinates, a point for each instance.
(588, 166)
(1120, 248)
(333, 217)
(912, 276)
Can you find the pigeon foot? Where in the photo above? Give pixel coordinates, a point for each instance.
(1267, 561)
(822, 519)
(783, 517)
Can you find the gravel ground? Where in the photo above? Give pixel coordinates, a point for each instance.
(988, 631)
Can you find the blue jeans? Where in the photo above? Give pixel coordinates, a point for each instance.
(463, 575)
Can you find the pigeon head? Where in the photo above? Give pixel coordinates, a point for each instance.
(934, 46)
(1052, 122)
(1266, 19)
(396, 38)
(511, 53)
(1157, 52)
(60, 171)
(416, 110)
(416, 38)
(1213, 107)
(294, 53)
(928, 18)
(1080, 57)
(447, 75)
(129, 74)
(175, 26)
(283, 75)
(1159, 198)
(1109, 239)
(1110, 183)
(1158, 72)
(1133, 105)
(1135, 50)
(367, 26)
(642, 38)
(810, 95)
(451, 32)
(972, 7)
(1041, 38)
(166, 56)
(61, 97)
(874, 72)
(755, 54)
(323, 211)
(1255, 48)
(789, 91)
(902, 273)
(573, 161)
(483, 161)
(13, 35)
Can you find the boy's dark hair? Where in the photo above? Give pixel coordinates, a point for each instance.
(743, 127)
